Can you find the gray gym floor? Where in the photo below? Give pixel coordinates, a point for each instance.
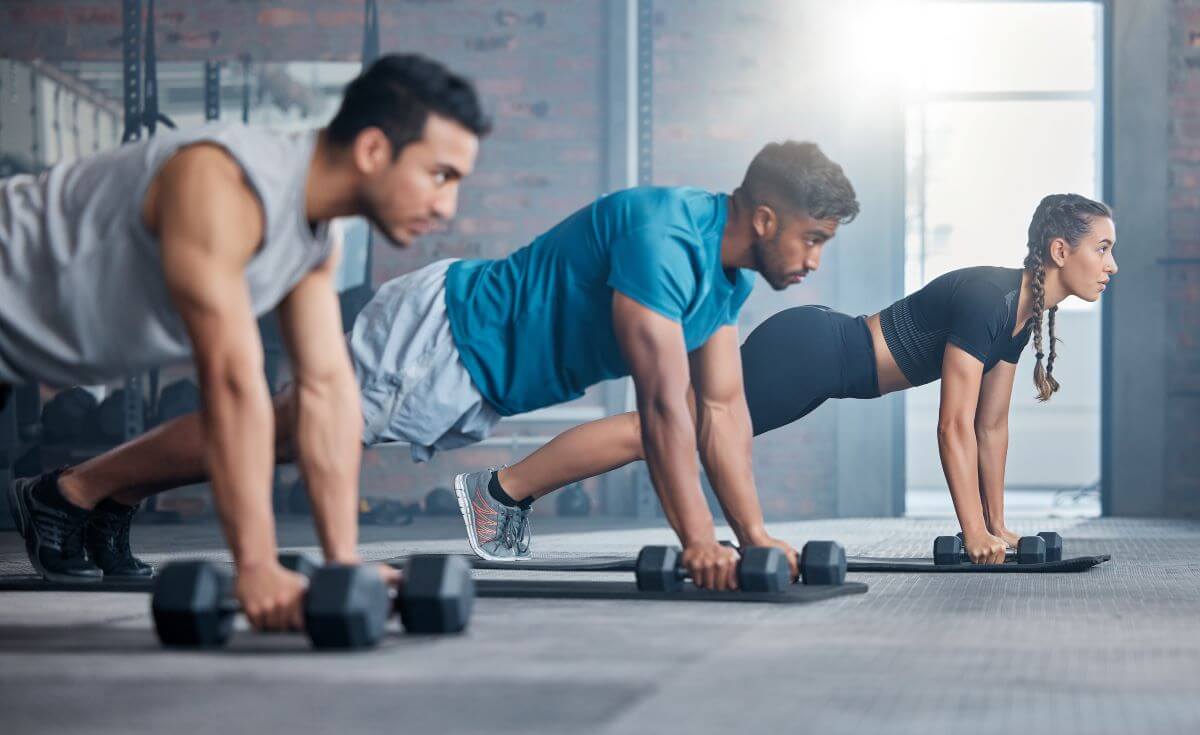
(1112, 650)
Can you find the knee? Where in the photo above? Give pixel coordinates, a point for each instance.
(633, 434)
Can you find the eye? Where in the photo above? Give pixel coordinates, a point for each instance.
(440, 177)
(1103, 249)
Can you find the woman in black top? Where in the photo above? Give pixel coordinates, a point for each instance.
(967, 327)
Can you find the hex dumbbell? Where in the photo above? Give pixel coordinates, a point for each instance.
(761, 569)
(345, 606)
(1054, 544)
(823, 563)
(949, 550)
(436, 594)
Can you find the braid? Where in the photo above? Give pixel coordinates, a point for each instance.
(1066, 216)
(1050, 381)
(1038, 285)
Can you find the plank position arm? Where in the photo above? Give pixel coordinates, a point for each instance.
(653, 346)
(958, 446)
(991, 435)
(725, 436)
(210, 223)
(324, 416)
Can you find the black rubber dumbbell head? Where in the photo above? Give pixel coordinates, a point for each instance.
(947, 550)
(823, 562)
(437, 594)
(1031, 550)
(298, 563)
(192, 604)
(1054, 545)
(658, 569)
(764, 569)
(346, 607)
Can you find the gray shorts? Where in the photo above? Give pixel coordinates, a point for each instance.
(413, 385)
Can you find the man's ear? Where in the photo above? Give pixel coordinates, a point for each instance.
(372, 150)
(765, 222)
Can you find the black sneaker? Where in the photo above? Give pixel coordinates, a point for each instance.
(106, 539)
(53, 529)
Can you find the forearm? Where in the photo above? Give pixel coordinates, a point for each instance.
(959, 454)
(329, 452)
(725, 438)
(992, 447)
(669, 440)
(238, 426)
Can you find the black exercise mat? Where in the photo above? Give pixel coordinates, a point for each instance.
(34, 583)
(926, 565)
(569, 562)
(572, 589)
(511, 588)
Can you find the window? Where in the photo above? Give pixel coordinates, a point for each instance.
(1006, 106)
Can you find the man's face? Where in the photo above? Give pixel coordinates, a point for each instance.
(788, 248)
(418, 191)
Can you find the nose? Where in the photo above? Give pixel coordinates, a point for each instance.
(813, 261)
(1112, 266)
(446, 203)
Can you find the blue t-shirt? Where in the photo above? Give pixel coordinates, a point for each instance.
(535, 329)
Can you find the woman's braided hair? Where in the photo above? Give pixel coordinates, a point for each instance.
(1066, 216)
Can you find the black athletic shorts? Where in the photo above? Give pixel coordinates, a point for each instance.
(801, 357)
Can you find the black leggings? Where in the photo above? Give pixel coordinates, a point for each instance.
(801, 357)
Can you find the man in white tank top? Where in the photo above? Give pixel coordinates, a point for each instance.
(170, 249)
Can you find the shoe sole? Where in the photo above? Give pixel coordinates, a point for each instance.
(32, 542)
(468, 516)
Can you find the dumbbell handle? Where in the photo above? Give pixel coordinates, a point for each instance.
(682, 573)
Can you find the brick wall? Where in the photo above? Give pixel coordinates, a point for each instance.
(729, 78)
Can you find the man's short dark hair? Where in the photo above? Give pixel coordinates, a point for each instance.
(795, 177)
(397, 94)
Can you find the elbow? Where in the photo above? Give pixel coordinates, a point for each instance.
(238, 377)
(988, 430)
(952, 431)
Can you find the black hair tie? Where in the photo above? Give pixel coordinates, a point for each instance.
(1040, 355)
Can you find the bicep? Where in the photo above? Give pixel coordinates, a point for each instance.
(995, 395)
(962, 374)
(716, 368)
(652, 346)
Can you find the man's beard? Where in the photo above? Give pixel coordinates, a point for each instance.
(768, 267)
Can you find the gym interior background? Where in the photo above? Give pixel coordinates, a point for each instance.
(950, 136)
(952, 118)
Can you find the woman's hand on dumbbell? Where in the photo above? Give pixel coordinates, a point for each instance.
(1010, 539)
(272, 598)
(982, 547)
(711, 566)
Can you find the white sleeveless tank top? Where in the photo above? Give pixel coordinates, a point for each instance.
(83, 298)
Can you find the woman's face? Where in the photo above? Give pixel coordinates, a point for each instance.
(1086, 268)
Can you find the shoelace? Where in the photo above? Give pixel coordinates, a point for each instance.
(512, 533)
(59, 531)
(115, 530)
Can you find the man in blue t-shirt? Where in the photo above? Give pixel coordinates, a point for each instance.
(646, 282)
